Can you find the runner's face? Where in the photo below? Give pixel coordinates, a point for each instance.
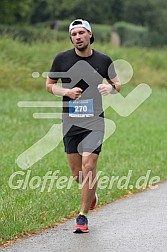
(80, 38)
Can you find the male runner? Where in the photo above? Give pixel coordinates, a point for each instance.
(83, 122)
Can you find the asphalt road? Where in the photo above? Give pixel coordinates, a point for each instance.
(138, 223)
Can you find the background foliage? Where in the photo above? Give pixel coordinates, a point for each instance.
(150, 14)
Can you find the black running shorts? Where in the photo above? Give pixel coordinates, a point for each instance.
(89, 141)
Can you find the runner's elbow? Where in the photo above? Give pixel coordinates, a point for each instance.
(48, 87)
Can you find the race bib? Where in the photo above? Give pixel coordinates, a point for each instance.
(81, 108)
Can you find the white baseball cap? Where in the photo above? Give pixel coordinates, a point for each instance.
(81, 23)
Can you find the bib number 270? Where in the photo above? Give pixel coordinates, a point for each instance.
(81, 108)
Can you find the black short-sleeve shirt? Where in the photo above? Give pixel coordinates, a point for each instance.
(86, 73)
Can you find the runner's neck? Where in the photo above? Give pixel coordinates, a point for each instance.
(86, 53)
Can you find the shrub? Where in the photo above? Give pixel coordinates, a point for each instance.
(27, 33)
(102, 33)
(42, 32)
(132, 35)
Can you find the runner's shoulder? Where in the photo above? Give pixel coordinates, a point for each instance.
(67, 53)
(102, 56)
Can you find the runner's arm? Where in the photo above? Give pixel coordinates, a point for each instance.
(115, 82)
(113, 88)
(53, 88)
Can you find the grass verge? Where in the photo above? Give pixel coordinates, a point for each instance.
(138, 145)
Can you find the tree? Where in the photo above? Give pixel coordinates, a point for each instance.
(151, 14)
(13, 12)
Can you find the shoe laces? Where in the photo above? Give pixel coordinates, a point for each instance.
(82, 220)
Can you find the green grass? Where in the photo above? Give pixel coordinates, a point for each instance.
(149, 65)
(138, 144)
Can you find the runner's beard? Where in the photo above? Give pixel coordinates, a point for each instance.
(82, 48)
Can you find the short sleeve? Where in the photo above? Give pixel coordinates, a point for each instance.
(111, 73)
(56, 67)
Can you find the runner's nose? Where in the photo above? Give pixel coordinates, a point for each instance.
(78, 36)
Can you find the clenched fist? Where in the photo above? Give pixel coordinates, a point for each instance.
(74, 93)
(105, 89)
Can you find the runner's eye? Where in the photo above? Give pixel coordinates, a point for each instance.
(73, 34)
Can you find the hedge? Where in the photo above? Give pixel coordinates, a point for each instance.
(132, 35)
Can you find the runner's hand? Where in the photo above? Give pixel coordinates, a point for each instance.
(105, 89)
(74, 93)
